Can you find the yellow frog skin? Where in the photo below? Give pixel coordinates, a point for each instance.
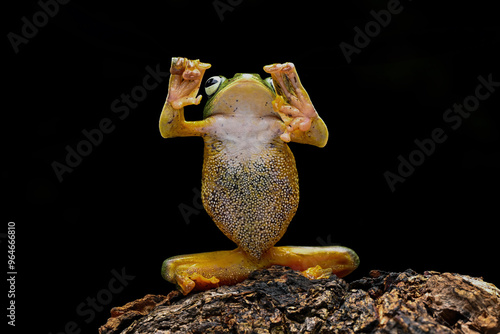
(249, 181)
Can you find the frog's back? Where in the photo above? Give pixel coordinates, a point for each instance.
(250, 186)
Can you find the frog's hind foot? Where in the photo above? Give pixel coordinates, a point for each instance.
(203, 271)
(316, 262)
(317, 272)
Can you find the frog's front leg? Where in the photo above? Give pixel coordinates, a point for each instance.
(292, 103)
(183, 86)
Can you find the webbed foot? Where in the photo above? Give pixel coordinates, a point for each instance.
(292, 102)
(185, 81)
(316, 262)
(204, 271)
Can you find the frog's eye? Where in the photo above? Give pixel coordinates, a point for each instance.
(212, 84)
(269, 82)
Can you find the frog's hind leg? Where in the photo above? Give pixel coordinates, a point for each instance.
(203, 271)
(315, 262)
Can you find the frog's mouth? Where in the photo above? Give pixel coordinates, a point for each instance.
(245, 96)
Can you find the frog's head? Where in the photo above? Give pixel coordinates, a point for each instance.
(243, 94)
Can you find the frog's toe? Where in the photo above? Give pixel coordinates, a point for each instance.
(203, 271)
(285, 67)
(317, 272)
(182, 272)
(185, 80)
(187, 282)
(189, 69)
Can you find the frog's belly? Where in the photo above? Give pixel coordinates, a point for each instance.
(251, 199)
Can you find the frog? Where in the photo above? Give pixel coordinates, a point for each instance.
(250, 185)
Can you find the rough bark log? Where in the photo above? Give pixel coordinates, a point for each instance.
(279, 300)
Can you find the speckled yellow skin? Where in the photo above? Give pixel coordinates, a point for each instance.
(252, 199)
(249, 181)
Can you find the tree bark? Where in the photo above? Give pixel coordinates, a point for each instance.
(280, 300)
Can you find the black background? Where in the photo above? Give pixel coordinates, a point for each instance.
(119, 208)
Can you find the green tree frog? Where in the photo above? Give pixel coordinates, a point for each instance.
(250, 183)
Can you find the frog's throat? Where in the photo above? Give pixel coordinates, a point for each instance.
(244, 96)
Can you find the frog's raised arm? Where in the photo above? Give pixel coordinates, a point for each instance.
(292, 103)
(185, 80)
